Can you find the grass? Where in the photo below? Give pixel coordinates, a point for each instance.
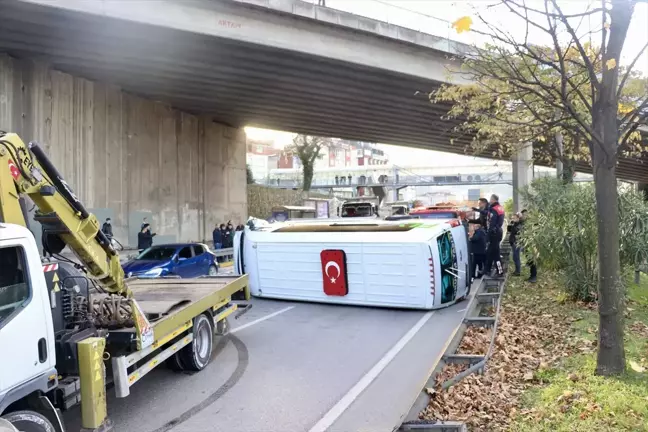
(570, 397)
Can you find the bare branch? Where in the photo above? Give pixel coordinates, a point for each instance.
(629, 70)
(560, 14)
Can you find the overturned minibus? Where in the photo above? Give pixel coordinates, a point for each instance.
(413, 264)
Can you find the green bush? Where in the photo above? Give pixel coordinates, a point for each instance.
(561, 232)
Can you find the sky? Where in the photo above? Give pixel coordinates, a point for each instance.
(436, 17)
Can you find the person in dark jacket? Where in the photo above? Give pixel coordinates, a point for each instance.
(478, 248)
(106, 228)
(533, 269)
(229, 237)
(145, 238)
(483, 213)
(494, 229)
(217, 236)
(514, 229)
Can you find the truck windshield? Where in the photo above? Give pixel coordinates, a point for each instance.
(14, 291)
(157, 253)
(356, 210)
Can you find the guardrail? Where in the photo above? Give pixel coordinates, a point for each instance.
(489, 294)
(223, 252)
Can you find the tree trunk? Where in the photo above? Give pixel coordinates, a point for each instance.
(569, 168)
(308, 176)
(611, 355)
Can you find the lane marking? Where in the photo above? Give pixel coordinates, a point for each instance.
(338, 409)
(257, 321)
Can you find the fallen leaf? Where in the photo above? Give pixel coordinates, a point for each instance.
(611, 64)
(572, 377)
(636, 366)
(462, 24)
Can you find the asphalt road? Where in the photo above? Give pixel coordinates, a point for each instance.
(296, 367)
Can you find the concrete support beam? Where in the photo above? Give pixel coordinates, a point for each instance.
(522, 173)
(127, 157)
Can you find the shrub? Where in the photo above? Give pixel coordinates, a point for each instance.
(561, 232)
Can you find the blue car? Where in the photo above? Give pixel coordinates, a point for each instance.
(186, 260)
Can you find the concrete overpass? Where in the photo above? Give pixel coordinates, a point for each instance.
(141, 102)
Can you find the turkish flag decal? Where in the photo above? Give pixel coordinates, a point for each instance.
(13, 169)
(334, 272)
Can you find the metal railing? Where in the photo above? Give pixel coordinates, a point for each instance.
(489, 294)
(394, 14)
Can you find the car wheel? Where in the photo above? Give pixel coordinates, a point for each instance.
(213, 270)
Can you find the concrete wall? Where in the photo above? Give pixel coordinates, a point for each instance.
(128, 157)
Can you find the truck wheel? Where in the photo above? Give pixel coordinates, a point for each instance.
(29, 421)
(175, 362)
(196, 356)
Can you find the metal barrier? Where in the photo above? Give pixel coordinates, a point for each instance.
(489, 294)
(223, 252)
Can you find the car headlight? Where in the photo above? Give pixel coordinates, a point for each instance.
(154, 272)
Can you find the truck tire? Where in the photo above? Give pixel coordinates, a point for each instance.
(196, 356)
(29, 421)
(175, 363)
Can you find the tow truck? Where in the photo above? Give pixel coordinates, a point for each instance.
(68, 329)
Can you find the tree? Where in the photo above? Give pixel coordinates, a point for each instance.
(307, 149)
(525, 92)
(250, 175)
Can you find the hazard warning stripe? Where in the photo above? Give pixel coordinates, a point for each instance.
(50, 267)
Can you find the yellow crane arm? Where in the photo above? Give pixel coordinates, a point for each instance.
(27, 170)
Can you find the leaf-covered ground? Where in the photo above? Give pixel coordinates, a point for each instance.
(541, 375)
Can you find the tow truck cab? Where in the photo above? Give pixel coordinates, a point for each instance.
(26, 324)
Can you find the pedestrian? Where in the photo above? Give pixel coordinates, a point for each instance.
(494, 225)
(478, 248)
(533, 269)
(106, 228)
(337, 180)
(483, 213)
(350, 178)
(217, 238)
(232, 233)
(145, 238)
(514, 229)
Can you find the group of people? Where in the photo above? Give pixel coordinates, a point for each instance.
(223, 235)
(486, 236)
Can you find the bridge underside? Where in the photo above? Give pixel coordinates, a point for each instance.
(239, 83)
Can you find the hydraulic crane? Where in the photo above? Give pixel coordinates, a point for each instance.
(64, 218)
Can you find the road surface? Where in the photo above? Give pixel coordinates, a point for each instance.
(291, 366)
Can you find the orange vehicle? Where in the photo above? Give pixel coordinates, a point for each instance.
(440, 211)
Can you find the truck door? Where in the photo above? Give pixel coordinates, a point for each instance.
(25, 316)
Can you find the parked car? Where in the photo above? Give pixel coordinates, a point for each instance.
(186, 260)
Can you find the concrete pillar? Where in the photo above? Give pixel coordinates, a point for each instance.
(127, 157)
(522, 173)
